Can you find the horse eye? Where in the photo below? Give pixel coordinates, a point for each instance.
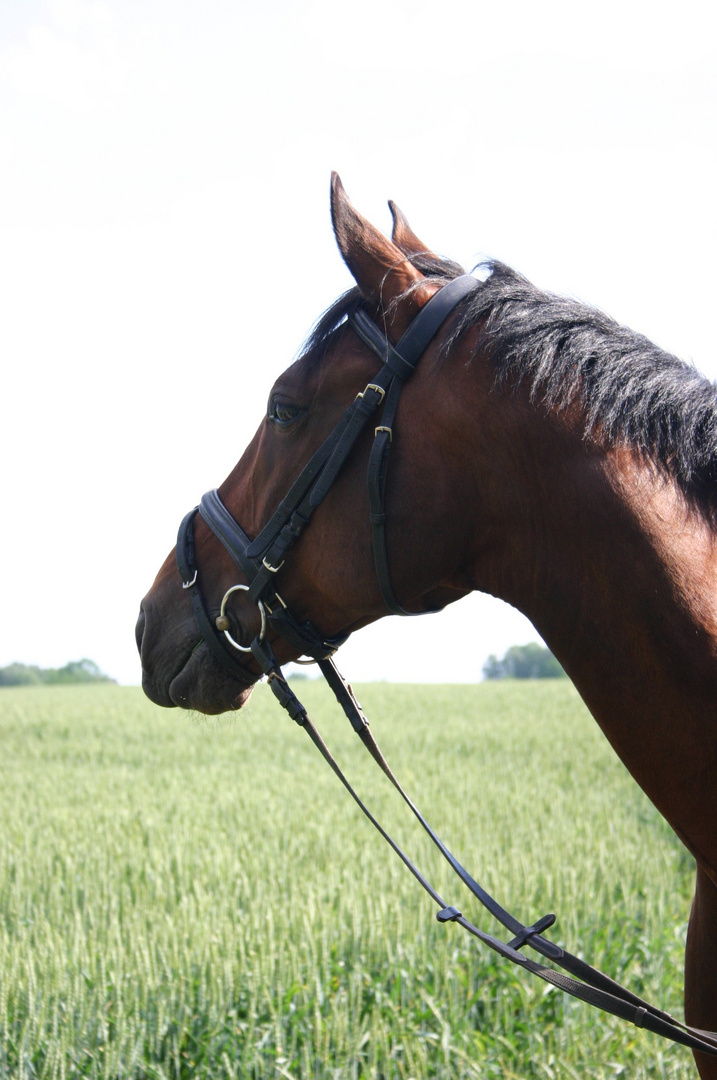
(283, 412)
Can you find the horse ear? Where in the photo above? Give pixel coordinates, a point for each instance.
(403, 235)
(382, 271)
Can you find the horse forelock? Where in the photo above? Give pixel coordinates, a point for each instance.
(323, 333)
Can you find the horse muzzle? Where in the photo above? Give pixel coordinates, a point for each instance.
(177, 668)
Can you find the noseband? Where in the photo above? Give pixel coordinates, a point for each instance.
(259, 561)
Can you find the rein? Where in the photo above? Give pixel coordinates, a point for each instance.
(261, 559)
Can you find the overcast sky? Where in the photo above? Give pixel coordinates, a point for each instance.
(165, 245)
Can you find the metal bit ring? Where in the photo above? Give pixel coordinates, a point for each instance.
(222, 615)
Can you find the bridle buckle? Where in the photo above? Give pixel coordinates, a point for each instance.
(373, 386)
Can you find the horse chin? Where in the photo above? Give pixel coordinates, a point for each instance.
(200, 687)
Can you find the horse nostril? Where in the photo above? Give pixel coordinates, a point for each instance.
(139, 630)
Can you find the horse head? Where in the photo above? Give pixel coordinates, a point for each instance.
(328, 579)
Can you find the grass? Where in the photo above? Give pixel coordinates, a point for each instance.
(191, 898)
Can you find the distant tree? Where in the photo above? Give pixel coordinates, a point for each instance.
(77, 671)
(530, 661)
(20, 675)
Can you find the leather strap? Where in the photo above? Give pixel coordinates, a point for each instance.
(218, 646)
(376, 483)
(401, 361)
(303, 636)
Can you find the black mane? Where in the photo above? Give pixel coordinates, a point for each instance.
(632, 392)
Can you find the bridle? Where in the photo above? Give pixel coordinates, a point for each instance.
(261, 559)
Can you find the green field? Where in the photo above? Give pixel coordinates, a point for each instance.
(183, 897)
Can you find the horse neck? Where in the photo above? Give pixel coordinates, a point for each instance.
(619, 576)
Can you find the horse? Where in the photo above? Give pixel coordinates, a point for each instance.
(539, 452)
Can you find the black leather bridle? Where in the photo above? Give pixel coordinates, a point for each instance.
(260, 560)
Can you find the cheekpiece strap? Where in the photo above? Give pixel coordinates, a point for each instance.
(401, 362)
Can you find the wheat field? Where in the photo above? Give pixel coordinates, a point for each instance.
(183, 897)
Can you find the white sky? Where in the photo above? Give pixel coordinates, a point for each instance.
(165, 245)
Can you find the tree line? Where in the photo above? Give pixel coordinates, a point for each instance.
(77, 671)
(530, 661)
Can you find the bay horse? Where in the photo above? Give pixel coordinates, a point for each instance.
(541, 453)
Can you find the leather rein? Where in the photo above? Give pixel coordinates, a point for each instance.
(260, 560)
